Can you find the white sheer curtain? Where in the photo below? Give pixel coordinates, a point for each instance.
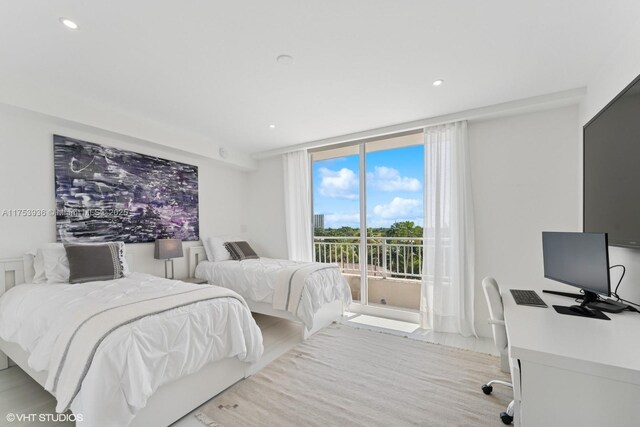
(297, 205)
(448, 278)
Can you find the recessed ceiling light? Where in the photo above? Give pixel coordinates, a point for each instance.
(69, 23)
(272, 126)
(285, 59)
(438, 82)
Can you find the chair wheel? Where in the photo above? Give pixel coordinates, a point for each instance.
(487, 389)
(506, 418)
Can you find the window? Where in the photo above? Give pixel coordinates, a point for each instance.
(383, 179)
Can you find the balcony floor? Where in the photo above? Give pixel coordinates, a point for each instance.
(413, 331)
(401, 294)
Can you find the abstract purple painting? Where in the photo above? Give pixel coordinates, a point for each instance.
(105, 194)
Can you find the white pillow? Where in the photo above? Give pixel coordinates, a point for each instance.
(38, 267)
(214, 247)
(207, 249)
(56, 264)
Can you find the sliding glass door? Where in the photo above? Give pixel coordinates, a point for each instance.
(336, 212)
(395, 216)
(368, 218)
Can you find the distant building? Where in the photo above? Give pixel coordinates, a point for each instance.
(318, 221)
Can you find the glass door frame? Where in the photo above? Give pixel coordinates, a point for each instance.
(362, 244)
(363, 306)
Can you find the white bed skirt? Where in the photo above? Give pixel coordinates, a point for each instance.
(171, 401)
(326, 315)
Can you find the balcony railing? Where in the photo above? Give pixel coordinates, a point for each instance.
(387, 257)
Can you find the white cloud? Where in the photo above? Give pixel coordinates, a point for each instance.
(341, 219)
(388, 179)
(341, 184)
(399, 209)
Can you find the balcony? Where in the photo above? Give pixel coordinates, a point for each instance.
(394, 267)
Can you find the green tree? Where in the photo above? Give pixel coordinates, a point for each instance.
(403, 251)
(404, 229)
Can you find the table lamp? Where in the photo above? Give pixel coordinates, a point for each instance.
(167, 249)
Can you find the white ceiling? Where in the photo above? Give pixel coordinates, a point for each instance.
(209, 66)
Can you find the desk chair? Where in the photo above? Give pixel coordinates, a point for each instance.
(496, 319)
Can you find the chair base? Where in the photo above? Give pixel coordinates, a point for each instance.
(507, 416)
(488, 387)
(504, 383)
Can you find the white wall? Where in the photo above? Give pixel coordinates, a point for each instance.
(91, 112)
(27, 181)
(266, 224)
(525, 180)
(617, 71)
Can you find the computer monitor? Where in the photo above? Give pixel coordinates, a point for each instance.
(578, 259)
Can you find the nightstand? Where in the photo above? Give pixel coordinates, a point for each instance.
(194, 280)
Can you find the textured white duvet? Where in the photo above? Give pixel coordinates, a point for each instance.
(135, 359)
(255, 279)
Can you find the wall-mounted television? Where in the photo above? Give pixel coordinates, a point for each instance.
(612, 169)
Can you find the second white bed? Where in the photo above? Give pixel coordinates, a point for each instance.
(255, 280)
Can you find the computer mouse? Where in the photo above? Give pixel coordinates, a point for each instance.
(584, 311)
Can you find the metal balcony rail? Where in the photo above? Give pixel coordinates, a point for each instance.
(387, 257)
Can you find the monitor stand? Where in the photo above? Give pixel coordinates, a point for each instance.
(594, 301)
(568, 311)
(608, 305)
(587, 299)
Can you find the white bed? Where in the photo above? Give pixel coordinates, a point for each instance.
(326, 291)
(151, 371)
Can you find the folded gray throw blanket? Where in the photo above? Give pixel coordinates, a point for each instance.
(291, 283)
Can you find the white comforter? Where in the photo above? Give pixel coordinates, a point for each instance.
(255, 279)
(135, 359)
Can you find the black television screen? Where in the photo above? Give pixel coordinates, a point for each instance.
(612, 169)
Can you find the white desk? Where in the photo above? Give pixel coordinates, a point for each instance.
(572, 370)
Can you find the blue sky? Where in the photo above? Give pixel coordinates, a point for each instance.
(395, 180)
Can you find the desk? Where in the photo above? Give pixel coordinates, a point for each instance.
(572, 370)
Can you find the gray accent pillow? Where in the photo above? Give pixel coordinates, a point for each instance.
(240, 251)
(88, 263)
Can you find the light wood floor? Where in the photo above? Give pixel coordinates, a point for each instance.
(20, 394)
(413, 331)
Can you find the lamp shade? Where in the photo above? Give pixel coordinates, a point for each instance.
(168, 248)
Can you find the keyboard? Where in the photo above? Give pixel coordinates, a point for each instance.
(525, 297)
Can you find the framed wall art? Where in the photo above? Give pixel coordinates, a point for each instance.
(105, 194)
